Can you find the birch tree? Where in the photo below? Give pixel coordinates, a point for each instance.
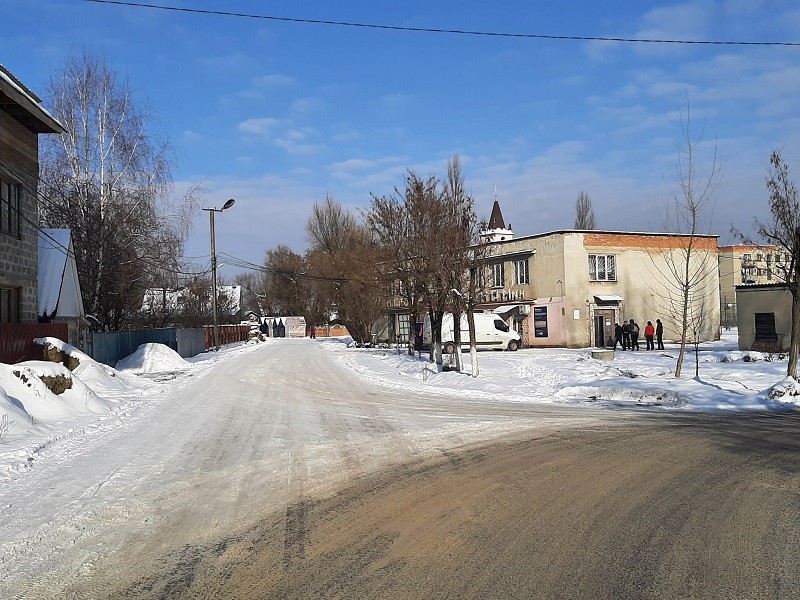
(107, 177)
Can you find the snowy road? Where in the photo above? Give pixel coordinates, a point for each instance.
(218, 450)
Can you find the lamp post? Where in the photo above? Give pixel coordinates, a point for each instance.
(211, 212)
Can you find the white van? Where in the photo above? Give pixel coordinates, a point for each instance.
(490, 330)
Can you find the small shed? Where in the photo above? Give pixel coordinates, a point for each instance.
(764, 317)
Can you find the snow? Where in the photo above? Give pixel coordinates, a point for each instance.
(32, 417)
(153, 358)
(124, 444)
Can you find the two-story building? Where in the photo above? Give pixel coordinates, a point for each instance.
(570, 288)
(22, 119)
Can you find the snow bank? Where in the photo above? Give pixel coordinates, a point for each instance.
(786, 391)
(93, 373)
(153, 358)
(23, 386)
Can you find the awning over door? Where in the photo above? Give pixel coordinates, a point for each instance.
(608, 299)
(505, 308)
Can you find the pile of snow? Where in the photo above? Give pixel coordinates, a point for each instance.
(93, 373)
(153, 358)
(29, 398)
(786, 391)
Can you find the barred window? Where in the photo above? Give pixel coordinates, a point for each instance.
(498, 275)
(602, 267)
(521, 273)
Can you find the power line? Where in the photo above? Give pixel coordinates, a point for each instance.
(498, 34)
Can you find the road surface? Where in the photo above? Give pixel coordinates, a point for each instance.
(278, 474)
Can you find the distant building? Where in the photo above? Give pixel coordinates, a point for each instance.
(192, 301)
(22, 119)
(746, 264)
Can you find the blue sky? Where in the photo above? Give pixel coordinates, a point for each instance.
(278, 114)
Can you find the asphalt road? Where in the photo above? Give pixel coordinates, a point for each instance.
(671, 507)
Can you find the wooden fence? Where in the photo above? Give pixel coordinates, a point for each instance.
(16, 340)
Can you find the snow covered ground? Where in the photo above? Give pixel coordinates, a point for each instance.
(33, 420)
(135, 463)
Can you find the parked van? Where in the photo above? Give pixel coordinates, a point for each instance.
(490, 330)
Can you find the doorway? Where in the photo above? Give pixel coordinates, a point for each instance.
(603, 328)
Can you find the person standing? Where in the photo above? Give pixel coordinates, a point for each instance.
(626, 336)
(633, 330)
(618, 336)
(659, 334)
(649, 332)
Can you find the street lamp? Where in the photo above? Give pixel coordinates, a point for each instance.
(211, 212)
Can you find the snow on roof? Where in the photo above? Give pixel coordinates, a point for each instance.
(53, 249)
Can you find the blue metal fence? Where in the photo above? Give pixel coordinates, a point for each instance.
(109, 346)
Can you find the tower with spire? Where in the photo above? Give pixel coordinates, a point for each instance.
(497, 231)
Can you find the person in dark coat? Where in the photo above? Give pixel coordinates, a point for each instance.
(626, 336)
(618, 336)
(659, 334)
(633, 330)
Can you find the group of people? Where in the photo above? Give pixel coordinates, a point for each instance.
(627, 335)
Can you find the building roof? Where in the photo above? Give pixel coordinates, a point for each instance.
(496, 220)
(25, 106)
(606, 232)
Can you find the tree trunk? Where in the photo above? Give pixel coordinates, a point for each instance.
(473, 346)
(457, 339)
(791, 369)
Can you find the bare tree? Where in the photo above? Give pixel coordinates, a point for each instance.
(690, 266)
(108, 179)
(467, 251)
(584, 212)
(344, 268)
(784, 231)
(285, 283)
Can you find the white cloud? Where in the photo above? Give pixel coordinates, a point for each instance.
(295, 141)
(306, 105)
(271, 81)
(261, 126)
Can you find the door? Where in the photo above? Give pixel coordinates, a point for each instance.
(603, 328)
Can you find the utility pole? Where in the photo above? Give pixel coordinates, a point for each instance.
(211, 212)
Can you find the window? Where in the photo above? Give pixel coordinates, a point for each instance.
(9, 208)
(498, 277)
(746, 257)
(602, 267)
(759, 258)
(521, 273)
(9, 305)
(500, 325)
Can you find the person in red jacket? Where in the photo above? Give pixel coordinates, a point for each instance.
(649, 332)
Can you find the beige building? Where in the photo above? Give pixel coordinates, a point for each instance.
(570, 288)
(746, 264)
